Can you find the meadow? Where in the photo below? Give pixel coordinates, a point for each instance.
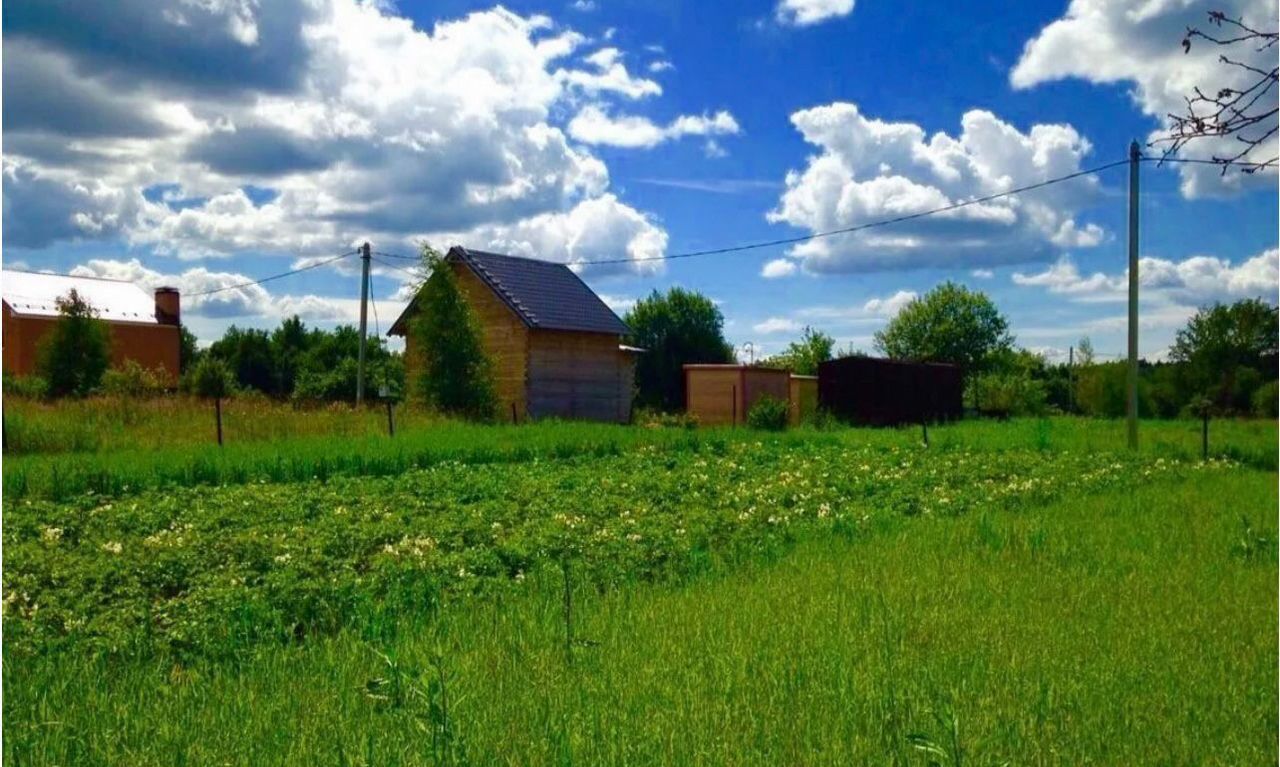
(1026, 592)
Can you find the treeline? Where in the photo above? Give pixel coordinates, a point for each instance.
(292, 362)
(300, 363)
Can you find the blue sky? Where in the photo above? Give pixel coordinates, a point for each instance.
(208, 144)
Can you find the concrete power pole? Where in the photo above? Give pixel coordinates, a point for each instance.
(1135, 158)
(365, 256)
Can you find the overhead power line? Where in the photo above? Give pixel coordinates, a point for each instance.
(869, 225)
(415, 275)
(289, 273)
(846, 230)
(851, 229)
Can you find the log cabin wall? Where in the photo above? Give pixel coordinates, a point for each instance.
(506, 341)
(578, 375)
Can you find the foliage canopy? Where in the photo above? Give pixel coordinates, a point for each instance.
(677, 328)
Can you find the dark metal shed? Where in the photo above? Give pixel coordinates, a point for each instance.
(881, 392)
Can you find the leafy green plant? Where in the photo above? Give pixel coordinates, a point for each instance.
(768, 413)
(456, 375)
(211, 379)
(132, 380)
(33, 387)
(675, 328)
(1266, 400)
(74, 355)
(1009, 394)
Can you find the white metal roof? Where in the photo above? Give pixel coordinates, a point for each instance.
(34, 293)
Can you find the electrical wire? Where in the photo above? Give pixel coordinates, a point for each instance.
(289, 273)
(415, 275)
(860, 227)
(846, 230)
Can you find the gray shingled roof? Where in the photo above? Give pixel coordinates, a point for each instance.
(544, 294)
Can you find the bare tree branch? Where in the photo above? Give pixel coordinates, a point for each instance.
(1249, 114)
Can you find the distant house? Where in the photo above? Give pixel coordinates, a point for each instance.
(556, 347)
(144, 328)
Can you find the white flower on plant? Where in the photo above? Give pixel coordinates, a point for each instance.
(113, 547)
(51, 534)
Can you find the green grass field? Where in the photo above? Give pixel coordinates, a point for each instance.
(1016, 593)
(116, 446)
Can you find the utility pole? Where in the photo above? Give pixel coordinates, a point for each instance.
(1135, 157)
(366, 255)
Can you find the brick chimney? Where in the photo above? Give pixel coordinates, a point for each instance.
(168, 306)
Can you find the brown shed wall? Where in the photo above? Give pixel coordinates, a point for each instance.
(721, 395)
(154, 347)
(804, 398)
(714, 395)
(579, 375)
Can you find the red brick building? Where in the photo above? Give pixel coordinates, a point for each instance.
(144, 328)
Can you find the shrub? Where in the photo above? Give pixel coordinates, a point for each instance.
(1266, 400)
(75, 354)
(1009, 394)
(768, 413)
(34, 387)
(210, 378)
(132, 380)
(329, 385)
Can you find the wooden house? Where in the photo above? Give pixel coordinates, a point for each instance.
(557, 349)
(143, 328)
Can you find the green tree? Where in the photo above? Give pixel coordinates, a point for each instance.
(678, 328)
(803, 357)
(188, 351)
(1227, 350)
(211, 378)
(948, 324)
(457, 374)
(289, 343)
(75, 354)
(248, 354)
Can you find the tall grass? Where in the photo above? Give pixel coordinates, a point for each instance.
(111, 423)
(1123, 628)
(338, 442)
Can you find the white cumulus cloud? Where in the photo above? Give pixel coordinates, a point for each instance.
(593, 125)
(803, 13)
(1139, 42)
(869, 169)
(298, 127)
(1190, 282)
(778, 267)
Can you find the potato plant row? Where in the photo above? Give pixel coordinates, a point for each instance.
(216, 570)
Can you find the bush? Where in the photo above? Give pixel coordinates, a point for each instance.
(1010, 394)
(338, 384)
(769, 414)
(132, 380)
(1266, 400)
(34, 387)
(210, 378)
